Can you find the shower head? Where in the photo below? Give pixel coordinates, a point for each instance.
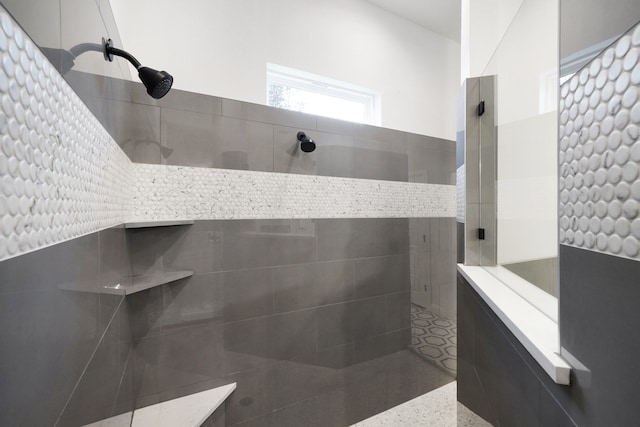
(157, 82)
(306, 144)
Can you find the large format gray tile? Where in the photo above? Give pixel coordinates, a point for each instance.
(431, 160)
(552, 413)
(145, 309)
(338, 357)
(514, 392)
(176, 360)
(292, 382)
(147, 247)
(196, 247)
(242, 144)
(247, 294)
(217, 419)
(303, 413)
(408, 376)
(292, 334)
(264, 243)
(251, 398)
(180, 100)
(382, 275)
(597, 304)
(333, 155)
(245, 345)
(265, 114)
(73, 262)
(309, 285)
(346, 322)
(343, 127)
(382, 345)
(188, 138)
(136, 129)
(115, 264)
(95, 395)
(354, 402)
(380, 160)
(45, 335)
(361, 238)
(420, 234)
(193, 301)
(398, 311)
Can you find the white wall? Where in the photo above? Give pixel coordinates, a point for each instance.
(517, 41)
(221, 47)
(484, 24)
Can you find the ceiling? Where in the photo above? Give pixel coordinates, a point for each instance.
(439, 16)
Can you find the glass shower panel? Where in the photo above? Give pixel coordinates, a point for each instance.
(525, 67)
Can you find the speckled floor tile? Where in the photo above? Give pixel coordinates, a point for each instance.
(438, 408)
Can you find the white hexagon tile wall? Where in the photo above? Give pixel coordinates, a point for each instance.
(600, 152)
(62, 176)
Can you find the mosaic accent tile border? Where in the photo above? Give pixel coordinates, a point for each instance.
(177, 192)
(62, 175)
(600, 152)
(461, 182)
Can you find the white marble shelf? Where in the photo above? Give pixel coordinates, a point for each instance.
(151, 224)
(188, 411)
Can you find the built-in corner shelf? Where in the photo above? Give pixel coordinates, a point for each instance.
(149, 224)
(148, 281)
(130, 285)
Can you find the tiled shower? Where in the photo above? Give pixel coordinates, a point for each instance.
(302, 268)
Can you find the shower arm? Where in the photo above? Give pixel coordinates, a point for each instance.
(110, 52)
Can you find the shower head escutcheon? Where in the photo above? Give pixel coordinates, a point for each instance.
(157, 82)
(306, 144)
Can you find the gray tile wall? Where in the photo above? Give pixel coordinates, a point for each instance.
(191, 129)
(500, 381)
(295, 311)
(433, 252)
(50, 335)
(598, 320)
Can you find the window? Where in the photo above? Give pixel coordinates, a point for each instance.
(309, 93)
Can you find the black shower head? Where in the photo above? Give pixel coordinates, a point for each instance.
(157, 82)
(306, 144)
